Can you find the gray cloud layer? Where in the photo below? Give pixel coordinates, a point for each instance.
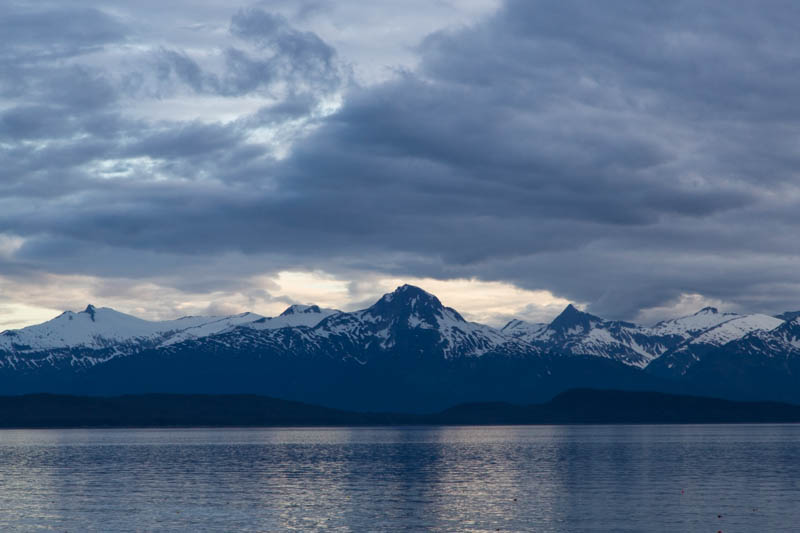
(620, 153)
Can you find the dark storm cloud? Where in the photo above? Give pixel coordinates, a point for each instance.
(36, 33)
(614, 153)
(176, 142)
(310, 56)
(32, 122)
(284, 56)
(185, 69)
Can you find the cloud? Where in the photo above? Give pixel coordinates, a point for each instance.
(39, 34)
(282, 59)
(633, 157)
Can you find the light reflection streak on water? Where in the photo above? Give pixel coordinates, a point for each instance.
(556, 478)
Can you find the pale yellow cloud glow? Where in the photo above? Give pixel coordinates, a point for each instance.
(487, 302)
(15, 315)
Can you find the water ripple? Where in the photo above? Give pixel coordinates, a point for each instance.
(544, 479)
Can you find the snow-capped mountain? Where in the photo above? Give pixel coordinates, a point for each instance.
(788, 316)
(737, 328)
(413, 320)
(690, 326)
(519, 329)
(575, 332)
(764, 364)
(673, 344)
(98, 328)
(96, 335)
(294, 316)
(407, 342)
(726, 328)
(410, 321)
(781, 341)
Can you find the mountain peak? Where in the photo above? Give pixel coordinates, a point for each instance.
(789, 316)
(570, 311)
(409, 291)
(707, 311)
(407, 301)
(571, 318)
(298, 309)
(790, 323)
(410, 295)
(90, 310)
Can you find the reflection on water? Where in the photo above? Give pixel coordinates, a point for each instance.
(569, 478)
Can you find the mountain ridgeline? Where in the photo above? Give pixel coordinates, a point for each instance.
(407, 352)
(578, 406)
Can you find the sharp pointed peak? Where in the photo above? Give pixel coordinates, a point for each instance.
(572, 317)
(91, 311)
(571, 310)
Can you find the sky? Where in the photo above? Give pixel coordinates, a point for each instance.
(511, 156)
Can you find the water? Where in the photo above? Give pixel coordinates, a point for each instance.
(545, 479)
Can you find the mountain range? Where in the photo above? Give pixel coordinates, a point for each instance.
(407, 352)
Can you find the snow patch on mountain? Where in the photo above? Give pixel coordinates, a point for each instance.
(467, 338)
(782, 341)
(520, 329)
(294, 316)
(575, 332)
(104, 328)
(737, 328)
(692, 325)
(732, 329)
(93, 328)
(208, 326)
